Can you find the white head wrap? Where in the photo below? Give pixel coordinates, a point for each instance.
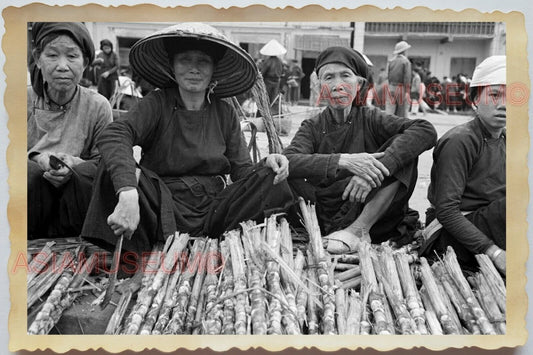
(491, 71)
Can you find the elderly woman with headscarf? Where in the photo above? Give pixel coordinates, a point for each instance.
(467, 190)
(358, 164)
(64, 121)
(190, 139)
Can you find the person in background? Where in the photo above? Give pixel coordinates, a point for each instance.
(399, 81)
(357, 163)
(467, 190)
(416, 84)
(314, 90)
(191, 141)
(295, 78)
(272, 70)
(108, 76)
(64, 121)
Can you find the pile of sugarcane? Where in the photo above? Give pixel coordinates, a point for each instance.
(260, 280)
(256, 281)
(58, 273)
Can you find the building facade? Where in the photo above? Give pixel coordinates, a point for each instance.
(444, 48)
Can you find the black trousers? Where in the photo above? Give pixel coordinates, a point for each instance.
(490, 219)
(58, 212)
(398, 223)
(197, 205)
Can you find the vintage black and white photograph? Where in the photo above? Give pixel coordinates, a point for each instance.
(266, 178)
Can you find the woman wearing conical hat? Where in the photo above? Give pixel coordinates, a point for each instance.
(190, 139)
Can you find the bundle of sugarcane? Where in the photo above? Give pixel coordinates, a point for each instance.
(260, 94)
(453, 268)
(172, 251)
(323, 264)
(65, 291)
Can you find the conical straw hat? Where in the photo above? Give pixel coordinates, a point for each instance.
(234, 73)
(273, 48)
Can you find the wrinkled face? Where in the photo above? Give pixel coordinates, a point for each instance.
(62, 64)
(338, 85)
(491, 108)
(193, 70)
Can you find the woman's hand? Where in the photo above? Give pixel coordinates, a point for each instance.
(357, 189)
(280, 165)
(43, 160)
(105, 74)
(498, 258)
(58, 177)
(366, 166)
(68, 159)
(125, 218)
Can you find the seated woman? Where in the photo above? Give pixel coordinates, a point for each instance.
(467, 189)
(358, 164)
(64, 120)
(190, 140)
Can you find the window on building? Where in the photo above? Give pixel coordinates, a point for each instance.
(460, 65)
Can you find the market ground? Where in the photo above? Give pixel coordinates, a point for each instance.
(442, 122)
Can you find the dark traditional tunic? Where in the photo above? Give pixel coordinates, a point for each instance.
(314, 155)
(468, 177)
(272, 70)
(185, 157)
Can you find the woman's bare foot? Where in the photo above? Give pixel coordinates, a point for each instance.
(346, 240)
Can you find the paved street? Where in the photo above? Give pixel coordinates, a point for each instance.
(442, 123)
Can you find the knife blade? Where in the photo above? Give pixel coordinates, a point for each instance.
(56, 164)
(110, 290)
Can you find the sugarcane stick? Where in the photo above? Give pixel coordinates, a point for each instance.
(436, 300)
(115, 320)
(273, 279)
(453, 268)
(258, 301)
(449, 306)
(196, 289)
(152, 264)
(381, 326)
(353, 316)
(346, 258)
(45, 319)
(353, 283)
(228, 310)
(239, 279)
(365, 327)
(313, 229)
(212, 323)
(457, 299)
(367, 269)
(348, 274)
(406, 324)
(177, 321)
(286, 254)
(431, 317)
(416, 310)
(312, 315)
(340, 267)
(301, 303)
(41, 259)
(153, 312)
(489, 305)
(299, 264)
(169, 302)
(494, 280)
(391, 274)
(44, 282)
(196, 325)
(340, 309)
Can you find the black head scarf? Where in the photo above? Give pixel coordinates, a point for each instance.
(76, 30)
(342, 55)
